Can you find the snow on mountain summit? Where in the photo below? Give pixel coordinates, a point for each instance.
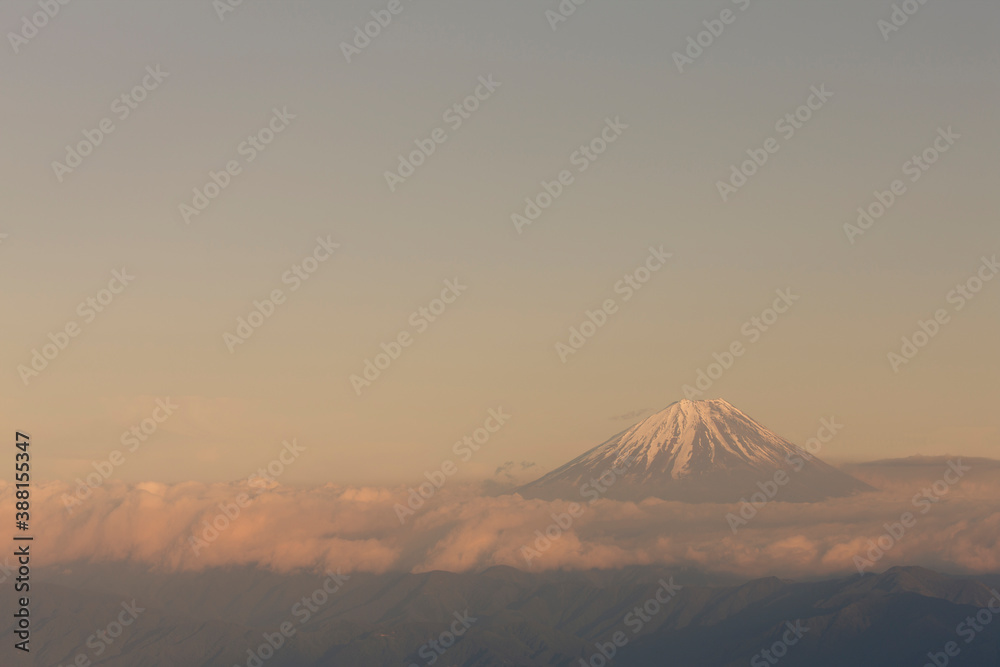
(695, 450)
(691, 436)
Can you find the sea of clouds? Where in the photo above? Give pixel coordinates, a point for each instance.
(462, 528)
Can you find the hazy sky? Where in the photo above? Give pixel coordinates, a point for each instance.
(495, 345)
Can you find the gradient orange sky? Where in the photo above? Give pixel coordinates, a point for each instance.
(495, 345)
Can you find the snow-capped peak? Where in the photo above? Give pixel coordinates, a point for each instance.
(688, 437)
(705, 450)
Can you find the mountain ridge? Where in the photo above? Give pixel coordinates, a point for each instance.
(700, 451)
(530, 619)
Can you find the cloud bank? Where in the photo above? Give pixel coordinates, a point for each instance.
(178, 528)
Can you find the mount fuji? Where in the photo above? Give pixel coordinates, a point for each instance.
(696, 451)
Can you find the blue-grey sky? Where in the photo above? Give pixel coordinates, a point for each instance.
(894, 93)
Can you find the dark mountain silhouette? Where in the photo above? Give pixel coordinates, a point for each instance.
(210, 619)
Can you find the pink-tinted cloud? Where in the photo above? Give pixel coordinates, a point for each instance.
(357, 529)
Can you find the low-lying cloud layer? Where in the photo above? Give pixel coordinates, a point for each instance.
(170, 527)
